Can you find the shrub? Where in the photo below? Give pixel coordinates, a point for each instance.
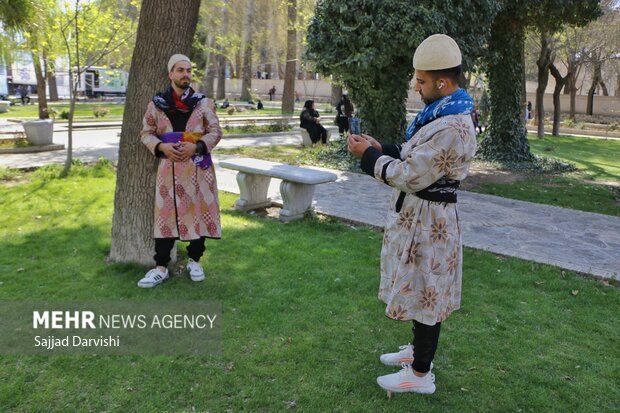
(100, 111)
(64, 114)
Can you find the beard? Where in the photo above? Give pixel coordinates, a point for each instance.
(182, 83)
(434, 95)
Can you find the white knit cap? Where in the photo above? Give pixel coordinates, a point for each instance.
(437, 52)
(176, 58)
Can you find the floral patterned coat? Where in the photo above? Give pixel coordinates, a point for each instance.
(186, 199)
(421, 257)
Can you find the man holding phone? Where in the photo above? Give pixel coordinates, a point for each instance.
(181, 128)
(421, 256)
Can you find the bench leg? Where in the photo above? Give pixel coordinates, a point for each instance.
(252, 191)
(296, 199)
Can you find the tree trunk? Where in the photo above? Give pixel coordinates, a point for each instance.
(288, 94)
(604, 88)
(41, 87)
(221, 58)
(246, 83)
(336, 94)
(617, 92)
(507, 137)
(571, 85)
(238, 66)
(596, 79)
(50, 74)
(559, 84)
(543, 62)
(210, 70)
(132, 226)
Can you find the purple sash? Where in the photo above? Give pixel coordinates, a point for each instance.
(203, 161)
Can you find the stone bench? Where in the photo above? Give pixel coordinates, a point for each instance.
(297, 187)
(4, 106)
(305, 136)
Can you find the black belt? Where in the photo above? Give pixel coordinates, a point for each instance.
(441, 191)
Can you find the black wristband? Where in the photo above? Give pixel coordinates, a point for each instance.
(201, 148)
(369, 159)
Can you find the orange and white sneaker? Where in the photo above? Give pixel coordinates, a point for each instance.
(405, 381)
(405, 355)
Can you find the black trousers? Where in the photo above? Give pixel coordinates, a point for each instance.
(163, 246)
(343, 124)
(317, 133)
(425, 339)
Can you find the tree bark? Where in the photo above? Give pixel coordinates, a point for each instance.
(596, 79)
(506, 140)
(559, 84)
(288, 94)
(617, 92)
(543, 62)
(221, 58)
(246, 83)
(336, 94)
(50, 74)
(132, 226)
(41, 87)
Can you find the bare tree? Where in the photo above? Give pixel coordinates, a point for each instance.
(246, 83)
(288, 94)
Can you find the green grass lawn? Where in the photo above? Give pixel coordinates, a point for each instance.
(84, 111)
(598, 159)
(301, 321)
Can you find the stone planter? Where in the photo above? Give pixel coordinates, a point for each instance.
(4, 106)
(39, 132)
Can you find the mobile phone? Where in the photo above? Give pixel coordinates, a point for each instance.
(355, 126)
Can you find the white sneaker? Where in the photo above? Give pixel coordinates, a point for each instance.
(405, 381)
(153, 277)
(405, 355)
(196, 273)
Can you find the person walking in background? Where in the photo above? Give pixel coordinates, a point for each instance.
(310, 120)
(181, 128)
(23, 94)
(421, 257)
(345, 110)
(272, 92)
(475, 117)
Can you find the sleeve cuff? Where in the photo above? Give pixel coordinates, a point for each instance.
(158, 153)
(369, 159)
(201, 148)
(391, 149)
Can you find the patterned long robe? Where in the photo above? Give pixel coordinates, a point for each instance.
(186, 200)
(421, 257)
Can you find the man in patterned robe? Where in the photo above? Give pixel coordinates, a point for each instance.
(421, 257)
(181, 128)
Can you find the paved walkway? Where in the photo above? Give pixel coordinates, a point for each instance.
(573, 240)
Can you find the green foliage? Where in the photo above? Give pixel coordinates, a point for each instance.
(506, 140)
(100, 111)
(367, 46)
(64, 114)
(335, 156)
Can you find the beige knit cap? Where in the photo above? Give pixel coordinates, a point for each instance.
(176, 58)
(437, 52)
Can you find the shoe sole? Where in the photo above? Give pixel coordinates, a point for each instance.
(407, 360)
(155, 284)
(197, 279)
(420, 390)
